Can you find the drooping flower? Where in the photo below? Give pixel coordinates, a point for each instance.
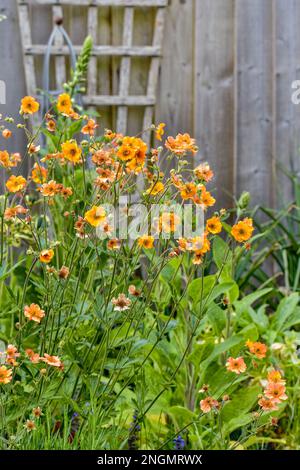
(5, 375)
(159, 131)
(6, 134)
(95, 216)
(121, 303)
(34, 312)
(203, 172)
(64, 272)
(188, 191)
(114, 244)
(236, 365)
(34, 357)
(146, 241)
(89, 128)
(243, 230)
(132, 290)
(71, 151)
(46, 256)
(214, 225)
(39, 174)
(29, 105)
(257, 348)
(15, 184)
(9, 161)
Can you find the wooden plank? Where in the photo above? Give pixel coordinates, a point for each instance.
(100, 3)
(254, 80)
(132, 51)
(111, 100)
(175, 90)
(154, 69)
(125, 70)
(60, 64)
(214, 92)
(24, 23)
(93, 31)
(287, 69)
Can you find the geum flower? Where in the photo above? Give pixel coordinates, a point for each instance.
(64, 104)
(89, 128)
(34, 312)
(29, 105)
(183, 143)
(208, 403)
(13, 212)
(257, 348)
(121, 303)
(15, 184)
(160, 130)
(243, 230)
(214, 225)
(146, 241)
(71, 151)
(203, 172)
(5, 375)
(95, 216)
(236, 365)
(52, 360)
(275, 392)
(46, 256)
(275, 376)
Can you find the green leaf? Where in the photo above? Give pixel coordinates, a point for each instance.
(234, 413)
(220, 252)
(221, 348)
(285, 309)
(201, 287)
(248, 300)
(217, 318)
(181, 416)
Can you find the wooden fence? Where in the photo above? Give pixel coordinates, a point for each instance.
(225, 77)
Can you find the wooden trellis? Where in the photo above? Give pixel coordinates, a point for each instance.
(126, 51)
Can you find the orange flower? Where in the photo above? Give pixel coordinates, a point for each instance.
(182, 144)
(15, 183)
(5, 375)
(156, 188)
(213, 225)
(275, 376)
(34, 357)
(126, 153)
(11, 351)
(39, 174)
(4, 158)
(206, 199)
(113, 244)
(275, 391)
(64, 272)
(49, 189)
(34, 312)
(29, 105)
(236, 365)
(258, 349)
(203, 172)
(52, 360)
(46, 256)
(132, 290)
(242, 231)
(188, 191)
(6, 133)
(30, 425)
(71, 151)
(121, 303)
(160, 130)
(64, 104)
(89, 128)
(146, 241)
(95, 216)
(37, 412)
(12, 212)
(267, 405)
(208, 403)
(199, 245)
(51, 125)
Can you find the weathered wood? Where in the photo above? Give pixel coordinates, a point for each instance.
(93, 32)
(111, 100)
(60, 64)
(214, 91)
(133, 51)
(154, 69)
(287, 69)
(254, 81)
(26, 39)
(100, 3)
(125, 70)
